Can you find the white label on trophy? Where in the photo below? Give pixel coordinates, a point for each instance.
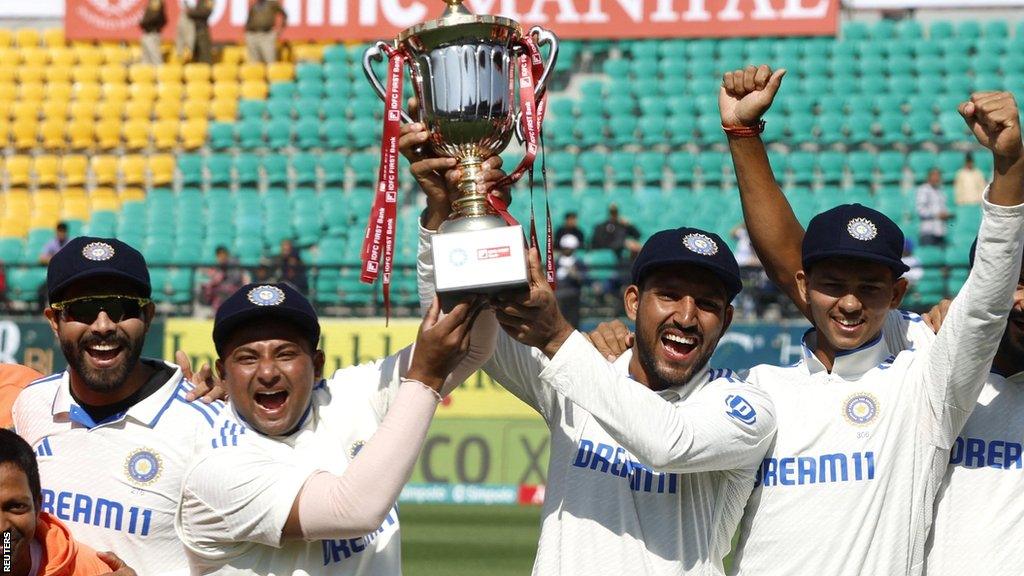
(481, 260)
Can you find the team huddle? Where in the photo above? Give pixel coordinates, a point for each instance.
(894, 446)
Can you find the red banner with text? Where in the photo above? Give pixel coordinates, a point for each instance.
(361, 20)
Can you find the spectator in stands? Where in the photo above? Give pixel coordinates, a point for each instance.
(571, 273)
(224, 279)
(199, 13)
(569, 227)
(185, 33)
(289, 267)
(933, 210)
(969, 183)
(916, 271)
(262, 30)
(35, 542)
(616, 234)
(154, 18)
(13, 379)
(60, 238)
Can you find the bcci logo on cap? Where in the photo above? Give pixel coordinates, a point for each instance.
(700, 244)
(861, 409)
(143, 467)
(98, 251)
(862, 229)
(266, 296)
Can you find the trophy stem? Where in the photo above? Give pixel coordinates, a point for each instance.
(473, 199)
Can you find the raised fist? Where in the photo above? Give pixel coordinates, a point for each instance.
(747, 94)
(994, 119)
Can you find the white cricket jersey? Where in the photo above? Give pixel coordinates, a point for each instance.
(237, 497)
(849, 484)
(979, 516)
(116, 483)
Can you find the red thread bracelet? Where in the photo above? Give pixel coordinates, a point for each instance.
(744, 131)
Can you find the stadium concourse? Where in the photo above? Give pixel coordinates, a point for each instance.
(179, 159)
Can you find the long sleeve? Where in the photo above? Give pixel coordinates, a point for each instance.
(724, 426)
(964, 347)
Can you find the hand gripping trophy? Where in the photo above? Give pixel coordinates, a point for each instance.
(464, 75)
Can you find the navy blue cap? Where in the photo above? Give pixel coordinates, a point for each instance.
(87, 257)
(854, 231)
(689, 246)
(254, 301)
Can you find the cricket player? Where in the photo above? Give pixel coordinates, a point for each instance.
(979, 517)
(301, 474)
(114, 433)
(864, 433)
(652, 457)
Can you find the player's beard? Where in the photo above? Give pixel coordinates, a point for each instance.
(658, 378)
(102, 381)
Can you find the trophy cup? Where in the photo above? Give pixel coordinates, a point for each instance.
(463, 68)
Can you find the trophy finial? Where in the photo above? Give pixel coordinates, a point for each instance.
(455, 7)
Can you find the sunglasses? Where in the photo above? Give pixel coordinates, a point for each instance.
(87, 308)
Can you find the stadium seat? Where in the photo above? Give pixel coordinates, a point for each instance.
(249, 133)
(304, 168)
(165, 134)
(193, 134)
(275, 167)
(332, 166)
(46, 169)
(18, 169)
(247, 170)
(161, 169)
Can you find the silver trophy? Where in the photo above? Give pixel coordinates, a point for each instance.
(463, 68)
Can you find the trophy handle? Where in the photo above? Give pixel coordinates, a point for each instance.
(376, 53)
(543, 37)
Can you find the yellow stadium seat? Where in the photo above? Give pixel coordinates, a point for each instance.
(59, 91)
(18, 170)
(108, 134)
(170, 91)
(32, 73)
(82, 110)
(167, 109)
(249, 72)
(51, 134)
(106, 110)
(193, 134)
(196, 109)
(62, 57)
(227, 90)
(73, 169)
(161, 169)
(104, 169)
(113, 74)
(89, 55)
(280, 72)
(54, 37)
(34, 56)
(138, 109)
(198, 91)
(31, 91)
(254, 90)
(116, 92)
(133, 170)
(104, 199)
(197, 72)
(55, 109)
(130, 194)
(81, 133)
(169, 73)
(47, 170)
(224, 71)
(27, 37)
(86, 73)
(145, 92)
(10, 57)
(8, 91)
(165, 134)
(142, 73)
(308, 52)
(135, 134)
(24, 133)
(88, 91)
(233, 54)
(8, 74)
(224, 110)
(58, 73)
(75, 208)
(23, 109)
(6, 38)
(115, 53)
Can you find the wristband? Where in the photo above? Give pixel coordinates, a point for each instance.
(434, 392)
(744, 131)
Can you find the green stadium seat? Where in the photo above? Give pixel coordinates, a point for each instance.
(280, 109)
(190, 169)
(617, 69)
(561, 166)
(304, 168)
(249, 133)
(364, 167)
(11, 250)
(709, 127)
(959, 85)
(682, 165)
(652, 131)
(275, 168)
(651, 166)
(927, 48)
(306, 133)
(593, 165)
(997, 29)
(884, 29)
(617, 105)
(920, 162)
(940, 30)
(285, 90)
(801, 165)
(338, 88)
(247, 169)
(333, 107)
(332, 166)
(251, 109)
(218, 169)
(909, 29)
(644, 69)
(221, 135)
(364, 132)
(711, 165)
(309, 89)
(949, 161)
(590, 131)
(278, 134)
(623, 165)
(644, 86)
(801, 129)
(335, 133)
(968, 29)
(953, 128)
(830, 166)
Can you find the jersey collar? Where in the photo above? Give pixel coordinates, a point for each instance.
(147, 412)
(848, 364)
(675, 393)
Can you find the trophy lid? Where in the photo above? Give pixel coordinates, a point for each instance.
(457, 15)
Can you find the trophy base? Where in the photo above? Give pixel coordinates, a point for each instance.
(478, 260)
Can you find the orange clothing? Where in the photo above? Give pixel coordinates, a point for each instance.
(13, 378)
(62, 556)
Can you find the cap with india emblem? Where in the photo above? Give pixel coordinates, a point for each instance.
(689, 246)
(854, 231)
(265, 301)
(88, 257)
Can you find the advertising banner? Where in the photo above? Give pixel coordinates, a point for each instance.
(898, 4)
(32, 343)
(362, 20)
